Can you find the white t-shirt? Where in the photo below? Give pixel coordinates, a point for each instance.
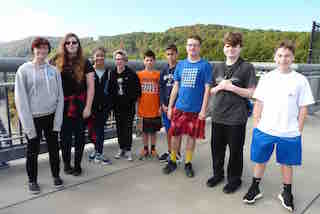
(282, 95)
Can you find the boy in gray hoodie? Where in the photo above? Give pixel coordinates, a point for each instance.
(39, 102)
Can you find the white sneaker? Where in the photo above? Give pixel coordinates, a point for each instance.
(119, 154)
(103, 160)
(128, 155)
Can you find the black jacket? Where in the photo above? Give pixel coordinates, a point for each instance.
(102, 99)
(124, 88)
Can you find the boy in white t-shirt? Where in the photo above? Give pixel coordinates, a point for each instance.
(282, 97)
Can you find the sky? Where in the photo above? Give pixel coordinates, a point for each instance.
(93, 18)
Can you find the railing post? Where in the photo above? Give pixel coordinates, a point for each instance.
(311, 42)
(5, 77)
(20, 132)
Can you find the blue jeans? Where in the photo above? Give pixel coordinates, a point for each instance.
(100, 120)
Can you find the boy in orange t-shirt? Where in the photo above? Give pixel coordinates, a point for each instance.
(149, 105)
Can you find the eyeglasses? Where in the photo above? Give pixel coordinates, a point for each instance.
(193, 45)
(71, 42)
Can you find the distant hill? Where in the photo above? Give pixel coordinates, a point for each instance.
(21, 48)
(258, 44)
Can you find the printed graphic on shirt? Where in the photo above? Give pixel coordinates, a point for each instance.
(188, 78)
(149, 102)
(120, 84)
(169, 80)
(151, 87)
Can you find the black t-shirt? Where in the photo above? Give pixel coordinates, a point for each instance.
(70, 85)
(227, 107)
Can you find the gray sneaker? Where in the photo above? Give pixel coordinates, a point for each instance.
(180, 159)
(128, 155)
(92, 156)
(101, 159)
(119, 154)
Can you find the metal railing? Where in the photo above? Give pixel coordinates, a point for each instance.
(12, 139)
(13, 142)
(314, 47)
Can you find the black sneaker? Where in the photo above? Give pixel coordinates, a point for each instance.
(252, 195)
(68, 170)
(164, 157)
(286, 200)
(77, 171)
(188, 170)
(57, 182)
(170, 167)
(34, 188)
(232, 187)
(214, 180)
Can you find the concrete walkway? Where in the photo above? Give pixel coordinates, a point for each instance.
(140, 187)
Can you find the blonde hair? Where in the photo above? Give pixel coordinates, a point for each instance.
(123, 53)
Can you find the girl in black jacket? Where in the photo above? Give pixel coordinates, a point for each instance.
(100, 107)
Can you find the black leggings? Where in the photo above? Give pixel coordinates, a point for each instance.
(43, 124)
(71, 126)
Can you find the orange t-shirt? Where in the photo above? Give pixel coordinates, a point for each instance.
(149, 102)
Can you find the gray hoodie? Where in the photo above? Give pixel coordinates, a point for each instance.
(38, 92)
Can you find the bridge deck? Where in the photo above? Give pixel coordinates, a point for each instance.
(140, 186)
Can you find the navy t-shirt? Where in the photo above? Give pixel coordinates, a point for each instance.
(166, 83)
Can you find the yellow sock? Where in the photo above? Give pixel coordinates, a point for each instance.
(173, 156)
(189, 156)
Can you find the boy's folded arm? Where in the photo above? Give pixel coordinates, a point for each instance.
(243, 92)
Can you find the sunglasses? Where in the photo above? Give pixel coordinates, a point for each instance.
(73, 43)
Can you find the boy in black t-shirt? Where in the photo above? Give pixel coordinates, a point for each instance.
(233, 83)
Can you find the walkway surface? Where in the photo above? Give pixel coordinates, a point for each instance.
(140, 187)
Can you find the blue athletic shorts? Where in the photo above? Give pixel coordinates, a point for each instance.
(288, 149)
(165, 121)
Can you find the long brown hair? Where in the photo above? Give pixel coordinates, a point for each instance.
(63, 60)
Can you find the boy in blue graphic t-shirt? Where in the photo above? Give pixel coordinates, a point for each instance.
(192, 80)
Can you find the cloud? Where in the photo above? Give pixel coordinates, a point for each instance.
(28, 22)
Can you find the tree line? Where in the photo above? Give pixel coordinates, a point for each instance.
(258, 45)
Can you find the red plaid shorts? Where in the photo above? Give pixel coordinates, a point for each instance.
(187, 123)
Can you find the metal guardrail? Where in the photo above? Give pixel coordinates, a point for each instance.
(314, 49)
(12, 140)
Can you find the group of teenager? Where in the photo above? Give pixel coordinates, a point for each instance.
(67, 94)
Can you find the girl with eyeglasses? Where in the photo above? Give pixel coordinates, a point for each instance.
(78, 87)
